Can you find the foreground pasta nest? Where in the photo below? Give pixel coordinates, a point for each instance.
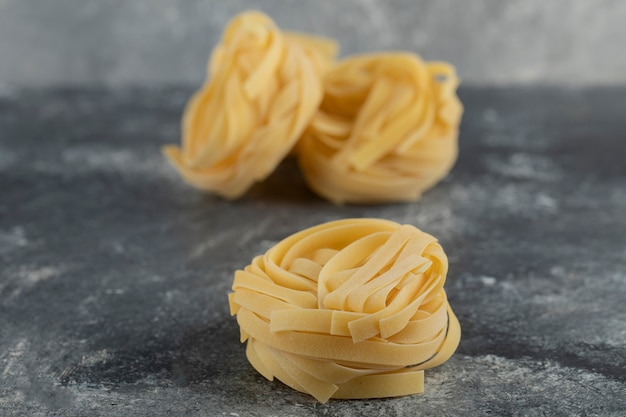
(347, 309)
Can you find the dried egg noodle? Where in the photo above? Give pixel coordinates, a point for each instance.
(352, 308)
(386, 130)
(263, 87)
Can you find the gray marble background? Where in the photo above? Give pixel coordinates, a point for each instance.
(154, 42)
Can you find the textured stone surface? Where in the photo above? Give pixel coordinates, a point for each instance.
(45, 42)
(114, 274)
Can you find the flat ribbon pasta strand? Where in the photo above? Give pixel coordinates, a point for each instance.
(386, 129)
(352, 308)
(263, 87)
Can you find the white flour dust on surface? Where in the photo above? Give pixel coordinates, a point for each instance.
(254, 233)
(510, 199)
(517, 131)
(25, 278)
(525, 166)
(11, 357)
(101, 356)
(12, 239)
(104, 159)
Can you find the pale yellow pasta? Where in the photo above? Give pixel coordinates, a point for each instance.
(352, 308)
(262, 89)
(386, 130)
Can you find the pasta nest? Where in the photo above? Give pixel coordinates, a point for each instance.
(352, 308)
(262, 89)
(386, 129)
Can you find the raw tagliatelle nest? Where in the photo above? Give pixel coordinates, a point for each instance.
(348, 309)
(386, 130)
(263, 87)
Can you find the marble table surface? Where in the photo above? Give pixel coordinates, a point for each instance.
(114, 273)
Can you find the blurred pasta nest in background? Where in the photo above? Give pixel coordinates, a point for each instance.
(263, 86)
(386, 130)
(351, 308)
(373, 128)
